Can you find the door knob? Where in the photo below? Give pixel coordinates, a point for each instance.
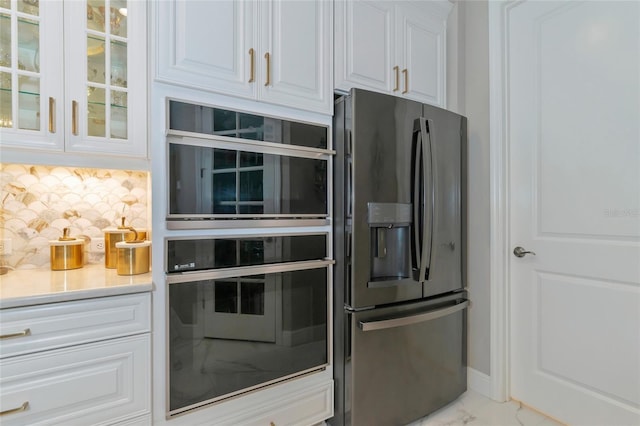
(520, 252)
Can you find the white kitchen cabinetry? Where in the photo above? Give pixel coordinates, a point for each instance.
(273, 51)
(72, 76)
(392, 47)
(80, 362)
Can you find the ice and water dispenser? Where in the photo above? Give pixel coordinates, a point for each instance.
(390, 237)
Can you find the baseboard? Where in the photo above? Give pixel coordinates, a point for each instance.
(479, 382)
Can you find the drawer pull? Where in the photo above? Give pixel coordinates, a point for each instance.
(25, 332)
(23, 407)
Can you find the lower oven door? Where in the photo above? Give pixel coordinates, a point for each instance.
(235, 330)
(406, 361)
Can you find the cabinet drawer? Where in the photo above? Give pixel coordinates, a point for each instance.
(99, 383)
(304, 408)
(37, 328)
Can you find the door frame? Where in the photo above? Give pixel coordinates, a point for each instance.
(498, 13)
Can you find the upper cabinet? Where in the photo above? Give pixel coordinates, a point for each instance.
(73, 76)
(392, 47)
(273, 50)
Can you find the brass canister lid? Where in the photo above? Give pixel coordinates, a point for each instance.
(66, 240)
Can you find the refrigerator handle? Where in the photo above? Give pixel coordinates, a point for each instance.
(417, 201)
(413, 319)
(428, 194)
(349, 177)
(423, 197)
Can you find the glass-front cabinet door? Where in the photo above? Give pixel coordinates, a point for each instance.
(106, 76)
(73, 75)
(31, 68)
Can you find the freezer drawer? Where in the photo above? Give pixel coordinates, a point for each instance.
(405, 362)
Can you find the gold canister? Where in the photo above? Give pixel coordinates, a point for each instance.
(66, 252)
(133, 257)
(112, 236)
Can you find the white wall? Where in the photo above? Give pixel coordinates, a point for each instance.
(468, 94)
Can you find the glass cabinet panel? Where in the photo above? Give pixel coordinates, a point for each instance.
(20, 78)
(107, 73)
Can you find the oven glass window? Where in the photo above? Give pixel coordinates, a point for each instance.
(222, 122)
(235, 334)
(222, 182)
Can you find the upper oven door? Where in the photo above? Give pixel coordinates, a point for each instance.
(210, 181)
(263, 168)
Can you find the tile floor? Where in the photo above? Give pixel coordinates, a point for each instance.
(476, 410)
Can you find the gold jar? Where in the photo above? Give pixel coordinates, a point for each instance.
(133, 257)
(112, 236)
(66, 252)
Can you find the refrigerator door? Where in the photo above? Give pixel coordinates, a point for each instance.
(446, 140)
(379, 183)
(405, 362)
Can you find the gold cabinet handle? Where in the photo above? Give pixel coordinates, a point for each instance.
(396, 69)
(267, 56)
(74, 118)
(23, 407)
(25, 332)
(406, 81)
(52, 109)
(252, 54)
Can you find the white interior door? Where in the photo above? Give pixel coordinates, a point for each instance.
(573, 91)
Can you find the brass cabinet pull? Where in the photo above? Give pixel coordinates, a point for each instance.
(252, 54)
(74, 118)
(25, 332)
(396, 69)
(52, 108)
(406, 81)
(23, 407)
(268, 57)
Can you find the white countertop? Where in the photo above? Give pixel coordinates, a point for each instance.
(37, 286)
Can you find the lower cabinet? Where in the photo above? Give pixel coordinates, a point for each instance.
(304, 408)
(97, 383)
(78, 382)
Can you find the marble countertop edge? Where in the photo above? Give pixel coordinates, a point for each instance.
(38, 286)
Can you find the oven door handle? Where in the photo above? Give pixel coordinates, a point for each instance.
(411, 319)
(243, 271)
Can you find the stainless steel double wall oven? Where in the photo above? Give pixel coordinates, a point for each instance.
(245, 310)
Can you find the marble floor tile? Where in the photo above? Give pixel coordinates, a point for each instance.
(474, 409)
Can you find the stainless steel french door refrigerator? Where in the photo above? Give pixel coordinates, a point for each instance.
(400, 305)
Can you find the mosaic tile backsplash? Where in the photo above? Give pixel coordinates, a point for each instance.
(38, 202)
